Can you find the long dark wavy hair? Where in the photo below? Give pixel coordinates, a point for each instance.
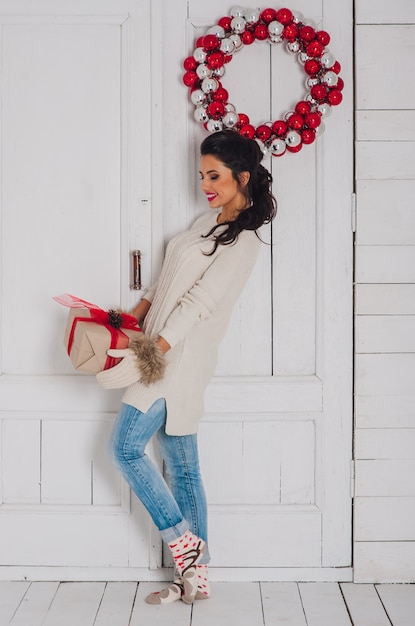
(241, 154)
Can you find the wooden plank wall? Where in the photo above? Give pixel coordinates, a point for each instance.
(384, 548)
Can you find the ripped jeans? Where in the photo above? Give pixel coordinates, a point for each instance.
(172, 511)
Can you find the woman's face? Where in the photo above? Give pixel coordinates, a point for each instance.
(219, 185)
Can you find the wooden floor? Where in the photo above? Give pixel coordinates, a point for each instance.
(232, 604)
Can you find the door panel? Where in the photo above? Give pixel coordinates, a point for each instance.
(276, 440)
(75, 201)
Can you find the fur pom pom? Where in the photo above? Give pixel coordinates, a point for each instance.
(151, 361)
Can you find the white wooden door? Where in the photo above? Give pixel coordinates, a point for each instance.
(76, 199)
(276, 440)
(99, 157)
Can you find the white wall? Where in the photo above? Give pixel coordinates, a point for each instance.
(384, 514)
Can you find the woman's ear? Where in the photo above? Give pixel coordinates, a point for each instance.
(244, 178)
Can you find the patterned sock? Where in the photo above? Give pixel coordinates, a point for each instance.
(203, 585)
(187, 551)
(175, 590)
(169, 594)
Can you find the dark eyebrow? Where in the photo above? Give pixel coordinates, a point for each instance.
(210, 172)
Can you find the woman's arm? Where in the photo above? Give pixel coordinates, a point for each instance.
(141, 310)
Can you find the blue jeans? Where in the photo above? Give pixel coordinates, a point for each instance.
(172, 511)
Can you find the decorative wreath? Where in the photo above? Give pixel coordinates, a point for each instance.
(206, 67)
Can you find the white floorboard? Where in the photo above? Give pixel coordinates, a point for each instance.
(117, 604)
(11, 594)
(399, 603)
(231, 603)
(364, 605)
(75, 604)
(35, 604)
(282, 604)
(324, 605)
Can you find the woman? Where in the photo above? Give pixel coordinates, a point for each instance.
(184, 317)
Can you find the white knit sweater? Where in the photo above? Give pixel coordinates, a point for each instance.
(191, 305)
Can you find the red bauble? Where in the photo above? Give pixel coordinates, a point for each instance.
(306, 33)
(336, 67)
(263, 132)
(268, 15)
(199, 42)
(284, 16)
(243, 119)
(215, 59)
(221, 94)
(227, 58)
(318, 92)
(334, 97)
(312, 67)
(247, 37)
(190, 78)
(216, 109)
(290, 32)
(279, 128)
(323, 37)
(210, 42)
(313, 120)
(303, 107)
(308, 135)
(247, 130)
(295, 148)
(340, 84)
(315, 49)
(261, 32)
(190, 64)
(225, 22)
(295, 121)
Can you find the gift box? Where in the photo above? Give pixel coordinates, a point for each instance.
(91, 331)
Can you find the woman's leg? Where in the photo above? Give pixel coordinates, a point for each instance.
(132, 432)
(181, 457)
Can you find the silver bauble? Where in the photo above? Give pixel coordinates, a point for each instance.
(320, 129)
(197, 97)
(209, 85)
(218, 72)
(227, 46)
(237, 11)
(216, 30)
(324, 108)
(200, 55)
(230, 119)
(328, 59)
(292, 138)
(278, 146)
(275, 29)
(297, 17)
(252, 15)
(236, 40)
(330, 78)
(238, 24)
(203, 71)
(200, 115)
(293, 46)
(214, 126)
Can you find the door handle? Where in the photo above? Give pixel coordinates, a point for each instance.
(136, 270)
